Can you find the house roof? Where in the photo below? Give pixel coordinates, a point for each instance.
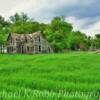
(24, 37)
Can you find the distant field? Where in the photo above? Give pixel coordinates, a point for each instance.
(72, 76)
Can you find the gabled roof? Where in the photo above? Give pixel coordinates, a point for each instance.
(23, 37)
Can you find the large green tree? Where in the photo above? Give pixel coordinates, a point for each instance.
(77, 41)
(97, 41)
(57, 33)
(4, 29)
(21, 23)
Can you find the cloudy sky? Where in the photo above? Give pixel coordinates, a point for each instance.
(83, 14)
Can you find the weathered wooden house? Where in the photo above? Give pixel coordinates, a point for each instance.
(27, 43)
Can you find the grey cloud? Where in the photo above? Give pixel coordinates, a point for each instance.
(45, 10)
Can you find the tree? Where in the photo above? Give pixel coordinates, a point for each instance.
(77, 41)
(4, 29)
(22, 24)
(57, 33)
(19, 18)
(97, 41)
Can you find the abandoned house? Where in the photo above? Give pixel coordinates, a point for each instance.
(27, 43)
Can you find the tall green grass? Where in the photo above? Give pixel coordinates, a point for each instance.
(48, 74)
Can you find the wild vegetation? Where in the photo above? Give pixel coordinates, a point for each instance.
(57, 76)
(69, 76)
(58, 32)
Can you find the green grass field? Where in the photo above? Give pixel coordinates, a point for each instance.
(50, 77)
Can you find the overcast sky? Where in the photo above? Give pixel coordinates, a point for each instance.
(83, 14)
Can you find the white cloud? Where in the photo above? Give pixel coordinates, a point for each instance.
(10, 7)
(44, 10)
(82, 25)
(77, 23)
(93, 29)
(36, 7)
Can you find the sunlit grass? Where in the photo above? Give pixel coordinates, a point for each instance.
(68, 72)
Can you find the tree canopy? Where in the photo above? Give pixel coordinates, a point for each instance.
(58, 32)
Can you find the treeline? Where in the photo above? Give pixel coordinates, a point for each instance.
(58, 33)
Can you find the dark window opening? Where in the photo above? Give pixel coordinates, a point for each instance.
(48, 49)
(39, 39)
(11, 49)
(22, 49)
(39, 48)
(28, 49)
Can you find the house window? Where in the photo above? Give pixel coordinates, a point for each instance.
(12, 42)
(22, 50)
(39, 39)
(28, 48)
(11, 49)
(39, 48)
(49, 49)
